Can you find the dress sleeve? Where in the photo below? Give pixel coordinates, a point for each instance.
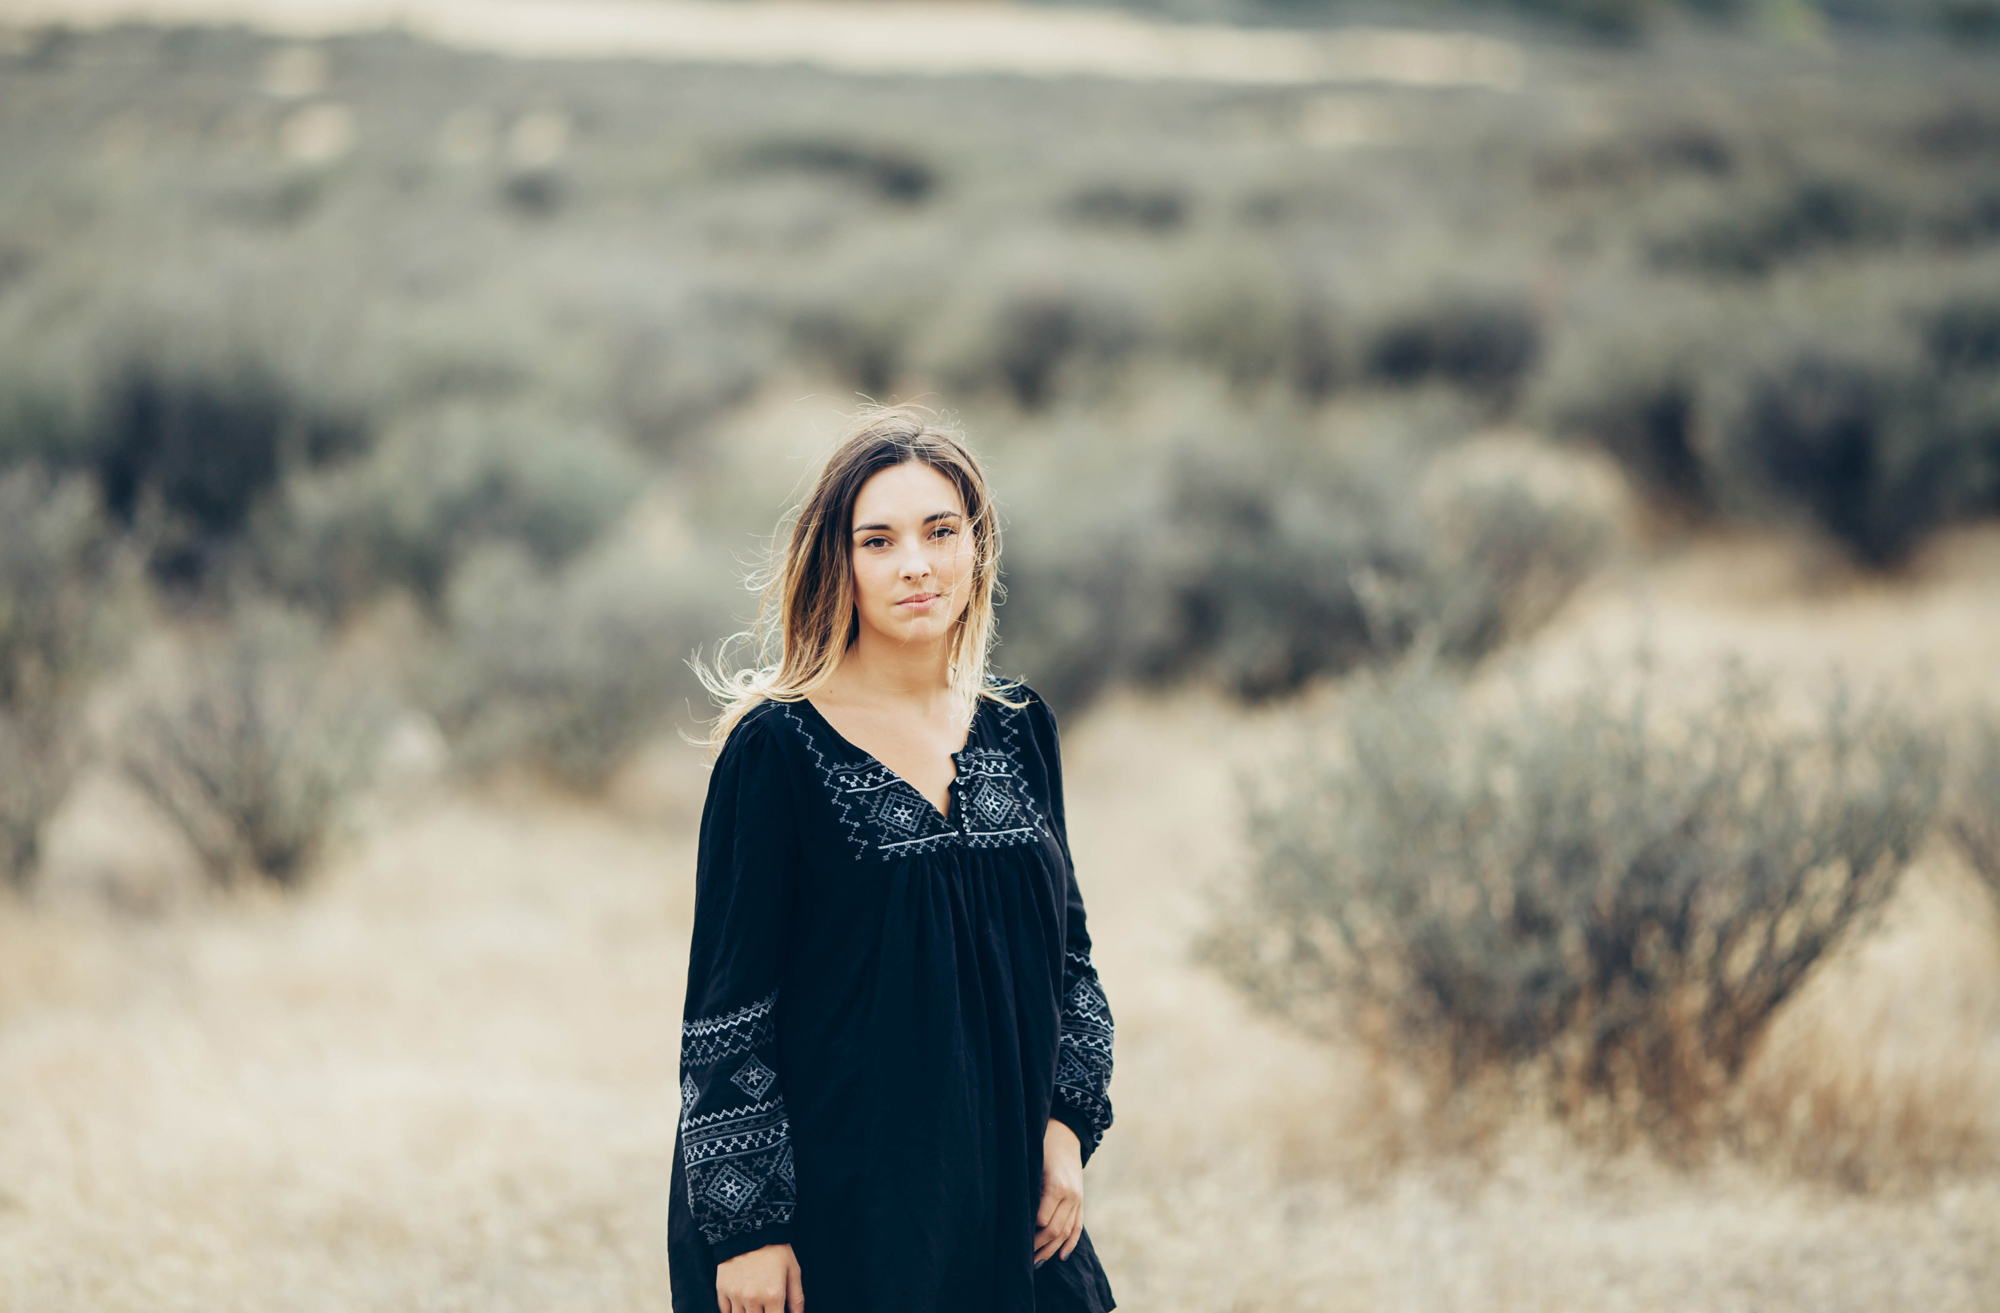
(1083, 1056)
(735, 1137)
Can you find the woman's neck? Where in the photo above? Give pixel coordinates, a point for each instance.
(877, 670)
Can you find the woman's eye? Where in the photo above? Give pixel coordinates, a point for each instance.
(875, 542)
(943, 531)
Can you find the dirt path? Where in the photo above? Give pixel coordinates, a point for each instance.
(869, 37)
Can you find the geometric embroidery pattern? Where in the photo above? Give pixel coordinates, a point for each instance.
(884, 814)
(753, 1078)
(1083, 1052)
(711, 1039)
(738, 1152)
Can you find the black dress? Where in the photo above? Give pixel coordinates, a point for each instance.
(885, 1006)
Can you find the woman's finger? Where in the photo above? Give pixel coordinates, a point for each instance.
(1076, 1234)
(795, 1290)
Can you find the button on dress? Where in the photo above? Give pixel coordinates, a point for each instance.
(886, 1004)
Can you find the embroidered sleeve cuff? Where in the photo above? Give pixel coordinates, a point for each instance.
(777, 1233)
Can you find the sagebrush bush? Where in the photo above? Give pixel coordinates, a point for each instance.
(1875, 449)
(1484, 342)
(1753, 236)
(569, 670)
(432, 490)
(256, 748)
(1973, 818)
(1260, 553)
(195, 448)
(64, 584)
(1614, 889)
(1251, 556)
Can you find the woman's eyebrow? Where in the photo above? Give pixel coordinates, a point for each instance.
(932, 518)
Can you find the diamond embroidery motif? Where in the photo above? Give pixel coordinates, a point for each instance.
(690, 1093)
(991, 803)
(901, 813)
(753, 1078)
(784, 1168)
(731, 1188)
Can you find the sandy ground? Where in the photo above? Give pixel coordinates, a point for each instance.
(444, 1077)
(910, 38)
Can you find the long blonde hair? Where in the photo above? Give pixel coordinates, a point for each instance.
(806, 617)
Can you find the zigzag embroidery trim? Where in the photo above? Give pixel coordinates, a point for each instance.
(1083, 1054)
(883, 813)
(711, 1039)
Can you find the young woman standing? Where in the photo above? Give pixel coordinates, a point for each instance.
(895, 1050)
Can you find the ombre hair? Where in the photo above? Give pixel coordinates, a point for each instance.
(806, 613)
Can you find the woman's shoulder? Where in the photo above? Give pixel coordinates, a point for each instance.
(1019, 705)
(768, 727)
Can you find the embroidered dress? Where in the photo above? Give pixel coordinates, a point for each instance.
(886, 1004)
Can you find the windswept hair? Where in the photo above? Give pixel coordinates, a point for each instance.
(806, 617)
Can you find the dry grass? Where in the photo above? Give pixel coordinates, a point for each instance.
(442, 1077)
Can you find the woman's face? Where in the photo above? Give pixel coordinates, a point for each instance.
(912, 554)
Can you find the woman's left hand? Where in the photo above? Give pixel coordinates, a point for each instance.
(1059, 1221)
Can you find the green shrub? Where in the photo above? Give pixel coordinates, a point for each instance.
(1808, 216)
(1504, 554)
(257, 748)
(1613, 889)
(569, 670)
(433, 489)
(41, 747)
(63, 583)
(1875, 450)
(1973, 818)
(200, 447)
(890, 173)
(1255, 553)
(1481, 342)
(1029, 340)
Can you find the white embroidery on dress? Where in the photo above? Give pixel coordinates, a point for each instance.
(883, 813)
(711, 1039)
(1083, 1051)
(738, 1157)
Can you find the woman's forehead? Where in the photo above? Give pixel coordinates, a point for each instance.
(912, 491)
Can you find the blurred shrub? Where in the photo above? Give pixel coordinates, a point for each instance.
(1755, 236)
(891, 173)
(1876, 429)
(1027, 340)
(40, 750)
(1973, 818)
(1507, 548)
(1482, 342)
(1876, 450)
(1147, 209)
(63, 583)
(433, 488)
(1258, 555)
(199, 445)
(256, 750)
(1613, 889)
(1256, 323)
(674, 376)
(569, 670)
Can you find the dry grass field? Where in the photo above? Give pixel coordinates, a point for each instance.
(444, 1077)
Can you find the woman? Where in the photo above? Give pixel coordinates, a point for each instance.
(895, 1051)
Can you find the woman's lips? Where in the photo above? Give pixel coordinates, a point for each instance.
(920, 600)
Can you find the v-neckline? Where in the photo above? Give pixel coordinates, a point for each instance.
(945, 818)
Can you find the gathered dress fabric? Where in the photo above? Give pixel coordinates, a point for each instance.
(886, 1005)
